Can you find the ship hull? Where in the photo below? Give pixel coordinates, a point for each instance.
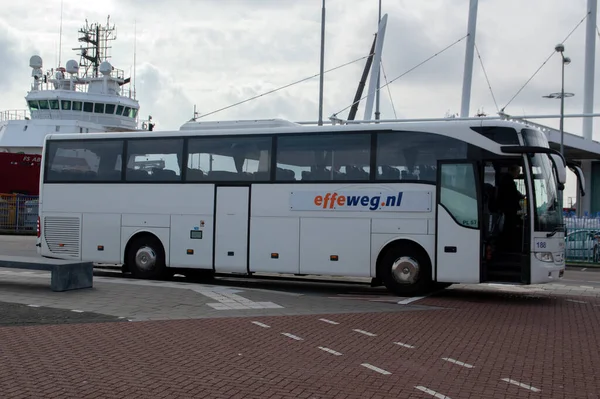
(20, 173)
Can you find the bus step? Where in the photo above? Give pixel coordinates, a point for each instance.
(516, 269)
(510, 257)
(504, 276)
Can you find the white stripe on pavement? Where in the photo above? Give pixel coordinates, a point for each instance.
(520, 384)
(448, 359)
(292, 336)
(329, 321)
(432, 393)
(377, 369)
(330, 351)
(404, 345)
(365, 332)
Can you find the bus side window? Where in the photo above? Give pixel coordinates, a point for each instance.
(412, 156)
(458, 193)
(84, 161)
(229, 158)
(154, 159)
(324, 157)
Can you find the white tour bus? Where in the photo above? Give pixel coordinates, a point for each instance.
(413, 206)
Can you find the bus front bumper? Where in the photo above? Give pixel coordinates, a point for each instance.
(547, 267)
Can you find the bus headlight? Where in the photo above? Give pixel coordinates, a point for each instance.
(544, 256)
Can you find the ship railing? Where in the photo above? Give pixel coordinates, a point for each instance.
(14, 114)
(49, 82)
(18, 213)
(127, 92)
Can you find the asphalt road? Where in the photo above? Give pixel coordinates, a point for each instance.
(584, 275)
(25, 246)
(14, 314)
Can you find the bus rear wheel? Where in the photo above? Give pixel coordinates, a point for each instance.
(146, 258)
(405, 270)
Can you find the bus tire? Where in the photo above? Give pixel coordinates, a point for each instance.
(146, 258)
(405, 270)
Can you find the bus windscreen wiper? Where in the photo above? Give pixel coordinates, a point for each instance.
(556, 230)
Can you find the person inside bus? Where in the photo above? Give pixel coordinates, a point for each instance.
(508, 203)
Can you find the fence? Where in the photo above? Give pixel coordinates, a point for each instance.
(18, 213)
(583, 239)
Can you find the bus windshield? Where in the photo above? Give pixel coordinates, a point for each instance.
(548, 215)
(547, 212)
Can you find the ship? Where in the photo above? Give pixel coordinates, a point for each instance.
(85, 96)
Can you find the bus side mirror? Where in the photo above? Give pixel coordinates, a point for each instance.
(580, 178)
(560, 168)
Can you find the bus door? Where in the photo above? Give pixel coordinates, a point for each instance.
(232, 211)
(458, 231)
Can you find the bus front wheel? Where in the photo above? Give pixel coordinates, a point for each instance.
(146, 258)
(405, 270)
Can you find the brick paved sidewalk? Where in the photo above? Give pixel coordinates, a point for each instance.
(489, 345)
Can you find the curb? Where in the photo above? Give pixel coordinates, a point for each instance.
(591, 267)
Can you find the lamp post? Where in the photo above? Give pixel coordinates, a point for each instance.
(320, 123)
(560, 48)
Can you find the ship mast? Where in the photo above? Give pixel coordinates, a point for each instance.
(96, 40)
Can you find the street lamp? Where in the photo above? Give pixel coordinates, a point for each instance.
(560, 48)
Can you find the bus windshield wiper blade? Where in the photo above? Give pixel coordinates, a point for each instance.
(556, 230)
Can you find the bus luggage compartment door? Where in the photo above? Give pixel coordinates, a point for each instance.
(231, 229)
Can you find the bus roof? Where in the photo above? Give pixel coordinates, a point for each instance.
(233, 128)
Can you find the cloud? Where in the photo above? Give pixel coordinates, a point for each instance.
(14, 58)
(161, 97)
(214, 53)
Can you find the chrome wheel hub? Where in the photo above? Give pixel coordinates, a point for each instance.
(405, 270)
(145, 258)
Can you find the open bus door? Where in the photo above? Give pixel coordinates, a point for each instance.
(458, 223)
(580, 177)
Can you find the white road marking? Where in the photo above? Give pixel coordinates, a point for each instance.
(432, 393)
(377, 369)
(76, 311)
(409, 300)
(448, 359)
(292, 336)
(258, 323)
(517, 383)
(584, 269)
(34, 306)
(229, 301)
(329, 321)
(330, 351)
(586, 286)
(228, 293)
(365, 332)
(573, 300)
(404, 345)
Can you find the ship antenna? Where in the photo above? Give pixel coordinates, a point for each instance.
(60, 33)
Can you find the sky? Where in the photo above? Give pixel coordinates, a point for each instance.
(213, 53)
